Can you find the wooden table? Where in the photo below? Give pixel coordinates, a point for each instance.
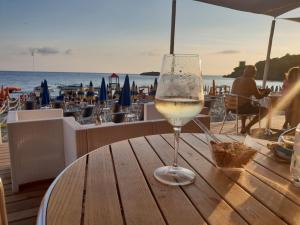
(115, 185)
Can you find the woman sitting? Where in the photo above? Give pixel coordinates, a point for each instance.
(293, 99)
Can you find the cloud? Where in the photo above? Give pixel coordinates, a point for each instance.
(48, 51)
(44, 51)
(227, 52)
(68, 51)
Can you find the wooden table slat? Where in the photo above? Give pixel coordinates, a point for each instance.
(280, 184)
(210, 204)
(251, 209)
(101, 187)
(138, 203)
(173, 202)
(270, 163)
(65, 204)
(277, 182)
(272, 173)
(287, 209)
(114, 185)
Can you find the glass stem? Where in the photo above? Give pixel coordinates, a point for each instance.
(177, 131)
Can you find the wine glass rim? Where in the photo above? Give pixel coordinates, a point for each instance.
(189, 55)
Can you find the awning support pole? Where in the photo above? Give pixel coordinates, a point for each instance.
(267, 64)
(173, 26)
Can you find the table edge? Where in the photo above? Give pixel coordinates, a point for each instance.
(42, 213)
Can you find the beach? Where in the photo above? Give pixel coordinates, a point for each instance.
(28, 80)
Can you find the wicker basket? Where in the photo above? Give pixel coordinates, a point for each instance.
(231, 155)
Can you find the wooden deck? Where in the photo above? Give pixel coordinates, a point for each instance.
(229, 126)
(22, 207)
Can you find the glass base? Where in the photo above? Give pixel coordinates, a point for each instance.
(233, 169)
(296, 182)
(175, 176)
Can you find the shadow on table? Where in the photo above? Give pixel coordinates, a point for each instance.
(261, 134)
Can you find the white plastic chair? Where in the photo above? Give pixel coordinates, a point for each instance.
(231, 104)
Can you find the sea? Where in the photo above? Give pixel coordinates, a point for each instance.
(28, 80)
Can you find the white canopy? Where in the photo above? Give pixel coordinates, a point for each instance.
(295, 19)
(267, 7)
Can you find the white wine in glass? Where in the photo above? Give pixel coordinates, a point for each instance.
(179, 98)
(178, 111)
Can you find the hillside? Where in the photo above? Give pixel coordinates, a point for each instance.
(278, 67)
(150, 73)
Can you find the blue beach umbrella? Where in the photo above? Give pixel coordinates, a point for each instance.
(80, 93)
(155, 84)
(103, 92)
(44, 99)
(134, 90)
(120, 99)
(60, 98)
(42, 88)
(47, 91)
(125, 99)
(45, 94)
(90, 92)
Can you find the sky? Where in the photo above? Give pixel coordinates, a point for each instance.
(131, 36)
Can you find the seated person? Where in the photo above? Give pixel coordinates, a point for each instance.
(289, 79)
(293, 101)
(245, 86)
(284, 90)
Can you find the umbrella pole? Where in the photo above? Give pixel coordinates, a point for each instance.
(173, 26)
(267, 64)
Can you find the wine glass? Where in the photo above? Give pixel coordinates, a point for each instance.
(179, 98)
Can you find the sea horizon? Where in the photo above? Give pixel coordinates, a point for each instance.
(82, 72)
(28, 80)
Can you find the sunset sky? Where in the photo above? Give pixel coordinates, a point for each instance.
(131, 36)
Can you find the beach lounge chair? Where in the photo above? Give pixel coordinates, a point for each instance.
(118, 117)
(58, 105)
(29, 105)
(87, 114)
(231, 103)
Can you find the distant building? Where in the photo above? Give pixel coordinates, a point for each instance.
(238, 71)
(242, 64)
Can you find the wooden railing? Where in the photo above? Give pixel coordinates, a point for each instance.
(92, 138)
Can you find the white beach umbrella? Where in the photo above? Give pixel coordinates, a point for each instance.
(272, 8)
(295, 19)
